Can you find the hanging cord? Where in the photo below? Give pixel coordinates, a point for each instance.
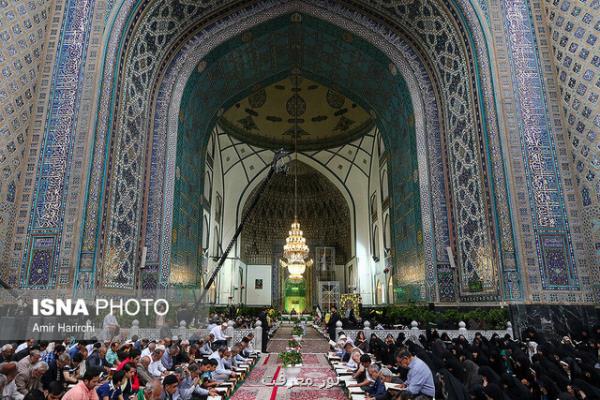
(296, 150)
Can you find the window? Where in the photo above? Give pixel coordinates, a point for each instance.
(375, 243)
(384, 186)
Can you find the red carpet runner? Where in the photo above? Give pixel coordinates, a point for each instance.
(260, 383)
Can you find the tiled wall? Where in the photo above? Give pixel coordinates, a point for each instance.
(574, 28)
(22, 35)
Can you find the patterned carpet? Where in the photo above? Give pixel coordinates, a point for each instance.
(262, 381)
(312, 342)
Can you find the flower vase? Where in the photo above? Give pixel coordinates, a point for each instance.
(291, 374)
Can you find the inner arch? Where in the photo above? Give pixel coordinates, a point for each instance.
(239, 66)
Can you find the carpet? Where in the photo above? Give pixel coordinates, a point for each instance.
(263, 382)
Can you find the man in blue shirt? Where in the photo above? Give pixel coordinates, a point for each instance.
(112, 390)
(419, 382)
(378, 387)
(167, 358)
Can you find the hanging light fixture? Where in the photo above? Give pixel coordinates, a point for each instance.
(295, 250)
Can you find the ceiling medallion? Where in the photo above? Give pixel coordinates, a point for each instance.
(296, 106)
(334, 99)
(258, 98)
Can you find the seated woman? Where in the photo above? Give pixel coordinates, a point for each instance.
(361, 342)
(376, 346)
(389, 351)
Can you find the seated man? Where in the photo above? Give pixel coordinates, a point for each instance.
(236, 356)
(59, 370)
(170, 388)
(55, 391)
(378, 387)
(27, 362)
(169, 355)
(9, 371)
(191, 385)
(354, 361)
(31, 378)
(377, 393)
(147, 351)
(86, 388)
(206, 348)
(248, 339)
(207, 368)
(156, 368)
(218, 333)
(112, 390)
(221, 372)
(347, 351)
(362, 373)
(98, 359)
(143, 372)
(419, 381)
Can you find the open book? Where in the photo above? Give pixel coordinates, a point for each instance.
(393, 386)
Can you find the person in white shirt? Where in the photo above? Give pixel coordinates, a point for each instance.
(206, 348)
(212, 325)
(24, 345)
(8, 370)
(156, 368)
(236, 357)
(354, 361)
(110, 326)
(219, 333)
(149, 350)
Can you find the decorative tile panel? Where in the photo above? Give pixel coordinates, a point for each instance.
(574, 31)
(543, 178)
(47, 215)
(22, 34)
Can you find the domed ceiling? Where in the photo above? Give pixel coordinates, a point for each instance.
(324, 117)
(322, 211)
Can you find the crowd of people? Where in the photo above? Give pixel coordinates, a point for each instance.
(123, 370)
(498, 368)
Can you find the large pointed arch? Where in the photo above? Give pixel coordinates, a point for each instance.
(387, 31)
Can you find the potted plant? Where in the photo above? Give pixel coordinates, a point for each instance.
(294, 344)
(290, 358)
(297, 332)
(292, 361)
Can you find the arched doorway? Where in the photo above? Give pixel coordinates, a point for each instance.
(325, 219)
(258, 117)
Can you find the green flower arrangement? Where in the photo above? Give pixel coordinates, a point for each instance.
(290, 358)
(297, 331)
(293, 343)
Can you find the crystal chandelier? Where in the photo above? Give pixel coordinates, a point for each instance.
(295, 250)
